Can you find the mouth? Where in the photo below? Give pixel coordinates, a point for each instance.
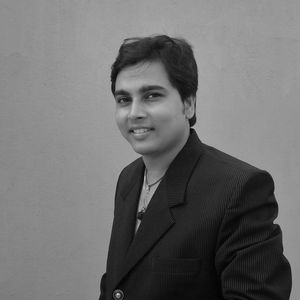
(140, 131)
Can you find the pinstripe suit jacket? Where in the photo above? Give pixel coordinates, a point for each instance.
(208, 232)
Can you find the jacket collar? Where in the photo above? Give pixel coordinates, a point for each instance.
(180, 170)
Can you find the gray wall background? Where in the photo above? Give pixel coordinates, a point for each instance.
(60, 151)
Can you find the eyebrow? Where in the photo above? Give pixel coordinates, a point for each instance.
(143, 89)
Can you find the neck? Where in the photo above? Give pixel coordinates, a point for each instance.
(157, 165)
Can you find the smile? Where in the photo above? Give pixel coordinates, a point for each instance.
(140, 131)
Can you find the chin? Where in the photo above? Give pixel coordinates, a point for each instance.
(143, 150)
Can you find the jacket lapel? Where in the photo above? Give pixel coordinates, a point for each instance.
(158, 218)
(158, 214)
(127, 196)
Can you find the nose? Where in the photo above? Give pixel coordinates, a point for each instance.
(137, 110)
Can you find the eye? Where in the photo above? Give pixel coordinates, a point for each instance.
(153, 96)
(122, 100)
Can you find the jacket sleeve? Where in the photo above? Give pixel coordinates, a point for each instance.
(103, 287)
(249, 256)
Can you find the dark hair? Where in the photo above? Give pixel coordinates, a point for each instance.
(176, 55)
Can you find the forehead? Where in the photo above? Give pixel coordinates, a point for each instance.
(145, 73)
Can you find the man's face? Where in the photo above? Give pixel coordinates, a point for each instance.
(149, 111)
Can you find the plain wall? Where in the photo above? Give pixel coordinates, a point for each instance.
(61, 152)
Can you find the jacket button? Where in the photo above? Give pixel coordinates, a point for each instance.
(118, 294)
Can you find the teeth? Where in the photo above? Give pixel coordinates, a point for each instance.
(141, 130)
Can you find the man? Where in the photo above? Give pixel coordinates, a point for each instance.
(190, 221)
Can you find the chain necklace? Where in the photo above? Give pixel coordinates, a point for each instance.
(146, 192)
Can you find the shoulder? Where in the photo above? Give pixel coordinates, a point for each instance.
(129, 175)
(214, 164)
(131, 169)
(223, 170)
(227, 164)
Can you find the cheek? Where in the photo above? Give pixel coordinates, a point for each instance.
(119, 116)
(120, 120)
(170, 115)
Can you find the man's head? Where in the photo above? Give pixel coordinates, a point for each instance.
(175, 54)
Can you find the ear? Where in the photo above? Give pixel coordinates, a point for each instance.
(189, 107)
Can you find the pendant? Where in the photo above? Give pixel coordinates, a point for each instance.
(140, 214)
